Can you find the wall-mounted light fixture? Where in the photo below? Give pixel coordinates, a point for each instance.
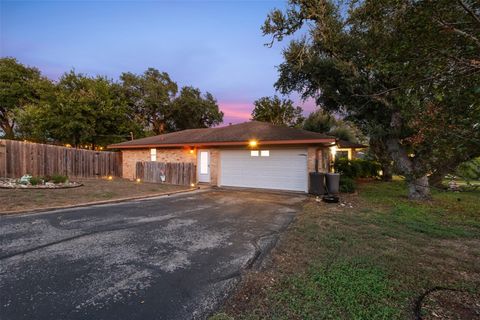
(333, 150)
(252, 143)
(192, 150)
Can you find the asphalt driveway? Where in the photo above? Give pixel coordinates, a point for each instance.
(173, 257)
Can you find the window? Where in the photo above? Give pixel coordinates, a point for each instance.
(341, 155)
(265, 153)
(254, 153)
(153, 154)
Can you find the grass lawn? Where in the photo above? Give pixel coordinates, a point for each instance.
(373, 258)
(92, 190)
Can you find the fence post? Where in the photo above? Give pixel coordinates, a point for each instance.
(3, 158)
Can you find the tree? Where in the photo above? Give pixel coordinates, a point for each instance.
(84, 110)
(192, 110)
(323, 122)
(277, 111)
(19, 86)
(319, 121)
(150, 99)
(402, 71)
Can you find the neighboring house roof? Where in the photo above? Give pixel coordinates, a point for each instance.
(238, 134)
(348, 144)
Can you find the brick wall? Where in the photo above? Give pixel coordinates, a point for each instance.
(214, 166)
(131, 157)
(129, 160)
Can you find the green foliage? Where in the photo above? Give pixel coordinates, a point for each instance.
(419, 219)
(343, 290)
(319, 121)
(323, 122)
(96, 111)
(221, 316)
(347, 184)
(470, 169)
(84, 110)
(357, 168)
(58, 178)
(20, 86)
(153, 101)
(149, 97)
(277, 111)
(192, 110)
(405, 72)
(36, 181)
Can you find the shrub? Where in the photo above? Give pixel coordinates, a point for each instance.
(469, 170)
(36, 180)
(347, 185)
(58, 178)
(357, 168)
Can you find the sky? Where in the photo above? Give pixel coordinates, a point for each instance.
(216, 46)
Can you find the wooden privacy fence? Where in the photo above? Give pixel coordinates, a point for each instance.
(181, 173)
(18, 158)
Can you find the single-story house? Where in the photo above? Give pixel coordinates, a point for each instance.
(347, 149)
(251, 154)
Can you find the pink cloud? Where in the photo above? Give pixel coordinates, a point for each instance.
(236, 112)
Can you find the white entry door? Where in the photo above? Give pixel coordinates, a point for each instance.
(284, 169)
(203, 165)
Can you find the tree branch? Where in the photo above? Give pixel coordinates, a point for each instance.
(469, 10)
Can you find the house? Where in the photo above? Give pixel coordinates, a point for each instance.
(251, 154)
(347, 149)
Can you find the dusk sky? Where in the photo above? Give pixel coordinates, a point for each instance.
(216, 46)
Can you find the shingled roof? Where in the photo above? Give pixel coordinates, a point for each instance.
(238, 134)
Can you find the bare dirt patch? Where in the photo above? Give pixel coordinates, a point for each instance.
(12, 200)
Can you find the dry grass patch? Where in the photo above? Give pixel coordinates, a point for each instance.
(92, 190)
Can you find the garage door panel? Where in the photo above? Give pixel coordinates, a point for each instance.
(284, 169)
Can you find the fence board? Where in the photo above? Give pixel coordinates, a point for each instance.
(18, 158)
(181, 173)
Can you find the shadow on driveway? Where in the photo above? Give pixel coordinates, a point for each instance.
(173, 257)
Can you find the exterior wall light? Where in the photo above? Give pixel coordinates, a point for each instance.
(138, 180)
(110, 177)
(192, 185)
(333, 150)
(191, 150)
(252, 143)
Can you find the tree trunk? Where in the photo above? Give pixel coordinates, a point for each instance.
(417, 180)
(436, 179)
(387, 172)
(380, 151)
(418, 188)
(8, 130)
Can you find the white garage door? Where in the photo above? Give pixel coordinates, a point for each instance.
(284, 169)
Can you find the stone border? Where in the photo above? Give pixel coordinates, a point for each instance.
(43, 187)
(93, 203)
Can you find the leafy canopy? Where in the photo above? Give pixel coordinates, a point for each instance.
(403, 71)
(277, 111)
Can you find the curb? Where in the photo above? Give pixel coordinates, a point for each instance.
(93, 203)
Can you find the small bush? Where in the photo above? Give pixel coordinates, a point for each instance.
(36, 180)
(469, 170)
(357, 168)
(58, 178)
(347, 185)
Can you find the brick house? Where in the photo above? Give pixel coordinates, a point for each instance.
(251, 154)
